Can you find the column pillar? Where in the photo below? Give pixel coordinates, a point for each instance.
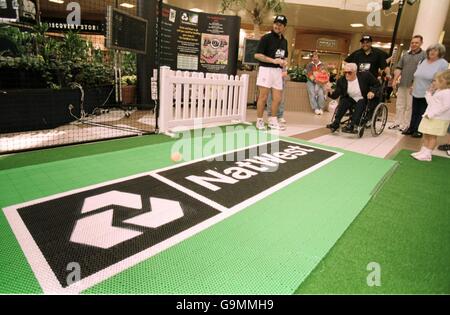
(290, 35)
(431, 20)
(355, 42)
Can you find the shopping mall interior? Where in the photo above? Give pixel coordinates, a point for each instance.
(131, 161)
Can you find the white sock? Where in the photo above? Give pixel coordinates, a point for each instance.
(273, 120)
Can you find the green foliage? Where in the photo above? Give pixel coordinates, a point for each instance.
(129, 80)
(30, 63)
(298, 74)
(60, 61)
(94, 74)
(129, 64)
(257, 9)
(231, 4)
(22, 41)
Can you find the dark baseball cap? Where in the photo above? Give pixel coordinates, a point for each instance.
(280, 19)
(366, 38)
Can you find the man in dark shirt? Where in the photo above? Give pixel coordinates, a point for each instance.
(369, 58)
(271, 53)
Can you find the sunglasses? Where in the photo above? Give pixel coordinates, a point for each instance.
(348, 72)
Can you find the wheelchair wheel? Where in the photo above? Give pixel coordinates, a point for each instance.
(379, 119)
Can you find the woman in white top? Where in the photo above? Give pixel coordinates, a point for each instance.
(436, 119)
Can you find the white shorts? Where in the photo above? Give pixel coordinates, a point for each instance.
(271, 78)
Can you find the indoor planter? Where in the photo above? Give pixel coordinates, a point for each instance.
(25, 103)
(129, 90)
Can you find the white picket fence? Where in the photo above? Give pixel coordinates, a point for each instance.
(187, 98)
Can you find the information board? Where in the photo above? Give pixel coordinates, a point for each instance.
(250, 46)
(196, 41)
(126, 32)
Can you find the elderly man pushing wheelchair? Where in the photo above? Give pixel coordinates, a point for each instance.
(356, 91)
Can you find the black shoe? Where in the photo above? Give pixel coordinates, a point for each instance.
(333, 127)
(417, 135)
(407, 132)
(348, 129)
(444, 147)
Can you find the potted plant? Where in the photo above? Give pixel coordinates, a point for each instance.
(129, 78)
(298, 74)
(129, 89)
(257, 10)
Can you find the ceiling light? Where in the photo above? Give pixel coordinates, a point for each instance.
(382, 45)
(196, 10)
(127, 5)
(357, 25)
(57, 1)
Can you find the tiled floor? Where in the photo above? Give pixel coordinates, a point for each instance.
(310, 127)
(306, 126)
(109, 125)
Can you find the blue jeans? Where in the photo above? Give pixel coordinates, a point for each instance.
(280, 113)
(316, 95)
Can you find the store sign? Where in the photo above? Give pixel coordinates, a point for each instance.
(61, 25)
(327, 43)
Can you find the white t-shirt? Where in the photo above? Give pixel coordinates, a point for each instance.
(354, 90)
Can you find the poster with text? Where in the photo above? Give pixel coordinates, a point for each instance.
(193, 41)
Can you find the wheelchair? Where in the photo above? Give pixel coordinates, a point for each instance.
(374, 119)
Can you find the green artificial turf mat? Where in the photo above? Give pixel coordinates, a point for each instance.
(268, 248)
(405, 229)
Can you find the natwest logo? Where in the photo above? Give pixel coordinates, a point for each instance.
(232, 178)
(248, 168)
(97, 230)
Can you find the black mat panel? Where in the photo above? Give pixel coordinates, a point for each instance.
(230, 195)
(52, 224)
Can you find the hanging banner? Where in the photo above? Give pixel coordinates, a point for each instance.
(194, 41)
